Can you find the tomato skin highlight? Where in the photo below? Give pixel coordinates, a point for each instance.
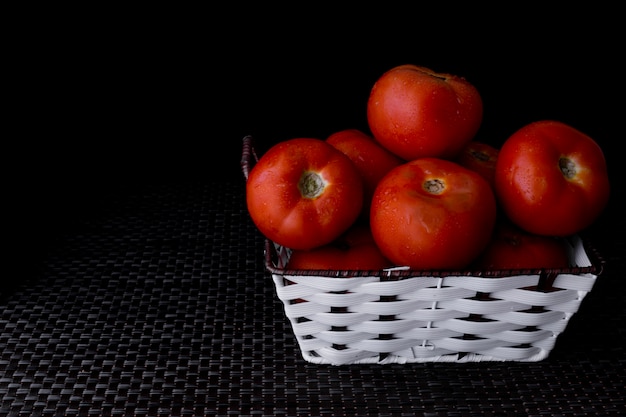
(275, 200)
(432, 213)
(416, 112)
(531, 183)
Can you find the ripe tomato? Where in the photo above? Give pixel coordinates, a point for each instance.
(371, 160)
(354, 250)
(432, 213)
(416, 112)
(513, 248)
(480, 157)
(551, 179)
(303, 193)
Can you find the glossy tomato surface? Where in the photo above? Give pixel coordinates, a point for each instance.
(354, 250)
(551, 179)
(432, 213)
(370, 158)
(303, 193)
(416, 112)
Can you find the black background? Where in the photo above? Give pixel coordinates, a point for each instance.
(134, 304)
(111, 100)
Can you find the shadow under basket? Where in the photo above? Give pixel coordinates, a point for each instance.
(399, 315)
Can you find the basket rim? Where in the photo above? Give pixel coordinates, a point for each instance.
(392, 274)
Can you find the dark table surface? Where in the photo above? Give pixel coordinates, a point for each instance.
(154, 301)
(133, 283)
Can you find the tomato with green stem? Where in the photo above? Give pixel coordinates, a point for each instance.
(303, 193)
(551, 179)
(432, 213)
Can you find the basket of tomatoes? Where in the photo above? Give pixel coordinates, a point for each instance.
(416, 243)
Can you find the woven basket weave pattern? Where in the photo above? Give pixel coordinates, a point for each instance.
(367, 319)
(402, 316)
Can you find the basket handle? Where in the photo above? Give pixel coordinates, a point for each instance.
(247, 153)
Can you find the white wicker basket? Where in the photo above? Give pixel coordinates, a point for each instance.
(404, 316)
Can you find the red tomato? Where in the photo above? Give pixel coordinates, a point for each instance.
(371, 160)
(303, 193)
(480, 157)
(551, 179)
(354, 250)
(416, 112)
(514, 248)
(432, 213)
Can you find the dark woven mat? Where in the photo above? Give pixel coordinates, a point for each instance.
(155, 303)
